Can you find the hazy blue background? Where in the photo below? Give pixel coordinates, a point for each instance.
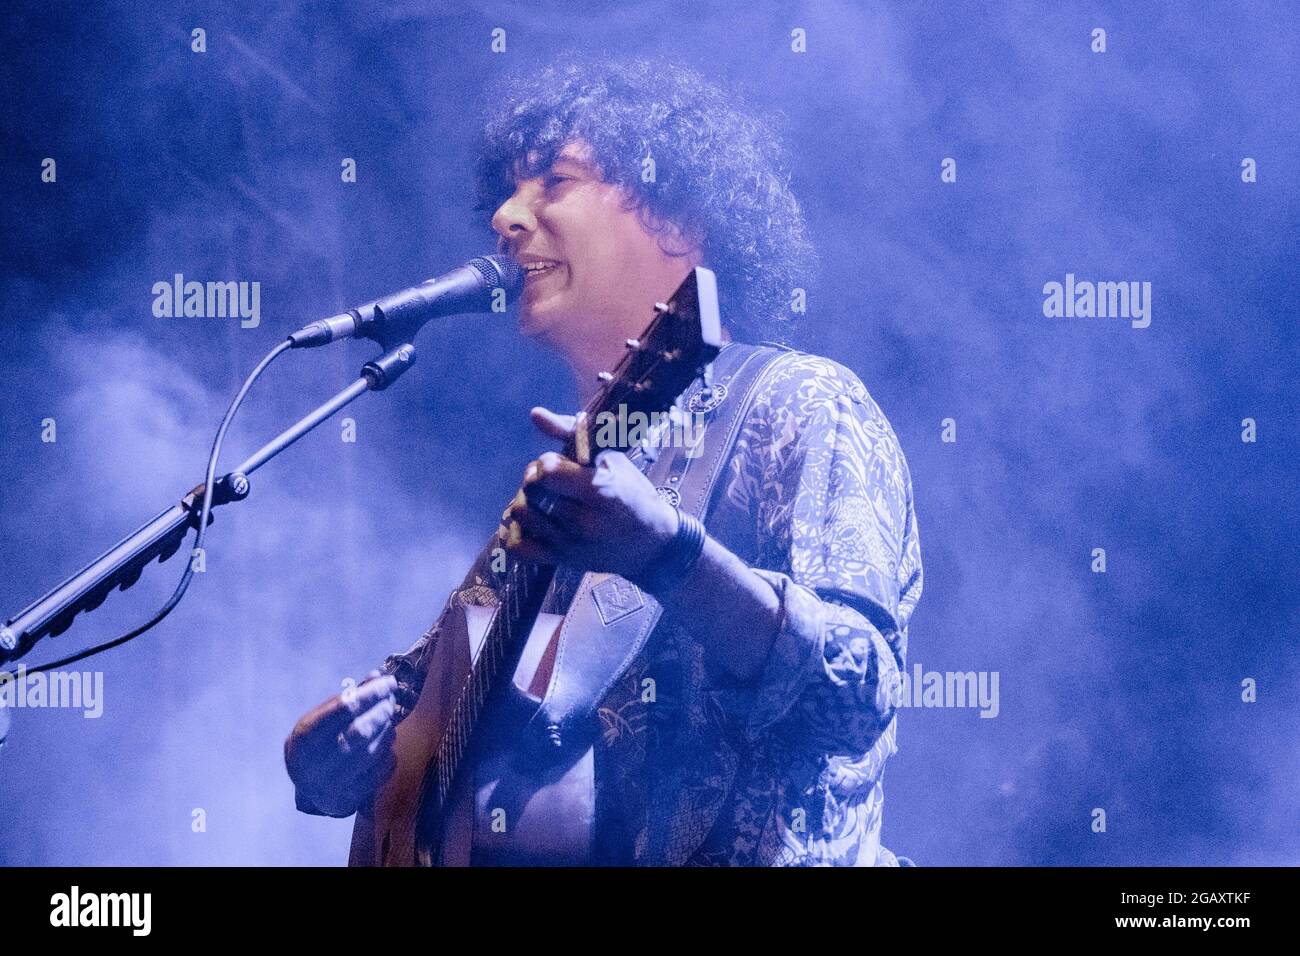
(1119, 691)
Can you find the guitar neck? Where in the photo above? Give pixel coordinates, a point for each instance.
(520, 600)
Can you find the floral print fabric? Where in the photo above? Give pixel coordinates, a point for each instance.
(787, 770)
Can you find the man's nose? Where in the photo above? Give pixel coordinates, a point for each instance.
(515, 216)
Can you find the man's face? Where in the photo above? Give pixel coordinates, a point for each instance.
(607, 269)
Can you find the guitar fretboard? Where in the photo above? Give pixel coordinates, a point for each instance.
(520, 598)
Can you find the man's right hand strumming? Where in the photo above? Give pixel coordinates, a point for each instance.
(340, 752)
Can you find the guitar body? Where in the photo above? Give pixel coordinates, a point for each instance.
(529, 812)
(506, 809)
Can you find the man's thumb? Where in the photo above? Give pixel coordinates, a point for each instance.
(557, 426)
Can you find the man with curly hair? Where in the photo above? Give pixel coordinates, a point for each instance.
(778, 660)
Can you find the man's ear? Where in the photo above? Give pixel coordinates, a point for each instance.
(672, 239)
(673, 242)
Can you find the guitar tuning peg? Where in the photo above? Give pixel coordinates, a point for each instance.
(633, 343)
(661, 307)
(605, 376)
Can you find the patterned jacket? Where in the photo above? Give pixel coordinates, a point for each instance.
(787, 770)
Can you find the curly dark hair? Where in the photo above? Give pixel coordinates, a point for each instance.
(721, 175)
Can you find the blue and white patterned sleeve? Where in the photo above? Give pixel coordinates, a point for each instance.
(825, 480)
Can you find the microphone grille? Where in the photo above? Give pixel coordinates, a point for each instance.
(498, 271)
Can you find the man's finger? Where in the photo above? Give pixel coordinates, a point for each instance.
(556, 507)
(331, 716)
(521, 545)
(559, 475)
(613, 459)
(363, 696)
(538, 528)
(382, 745)
(370, 724)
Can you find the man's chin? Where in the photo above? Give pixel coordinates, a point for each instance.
(538, 325)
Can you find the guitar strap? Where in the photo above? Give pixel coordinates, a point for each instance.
(610, 619)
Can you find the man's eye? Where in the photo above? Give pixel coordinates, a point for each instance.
(554, 179)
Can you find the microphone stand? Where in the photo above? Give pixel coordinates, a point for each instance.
(121, 565)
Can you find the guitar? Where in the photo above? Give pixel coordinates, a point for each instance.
(482, 672)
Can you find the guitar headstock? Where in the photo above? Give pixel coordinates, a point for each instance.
(684, 336)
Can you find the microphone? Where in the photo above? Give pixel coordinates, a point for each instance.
(471, 288)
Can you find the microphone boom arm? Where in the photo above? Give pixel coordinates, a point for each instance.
(161, 537)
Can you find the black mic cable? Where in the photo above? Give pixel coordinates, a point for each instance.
(208, 487)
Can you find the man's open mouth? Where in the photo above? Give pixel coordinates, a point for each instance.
(532, 269)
